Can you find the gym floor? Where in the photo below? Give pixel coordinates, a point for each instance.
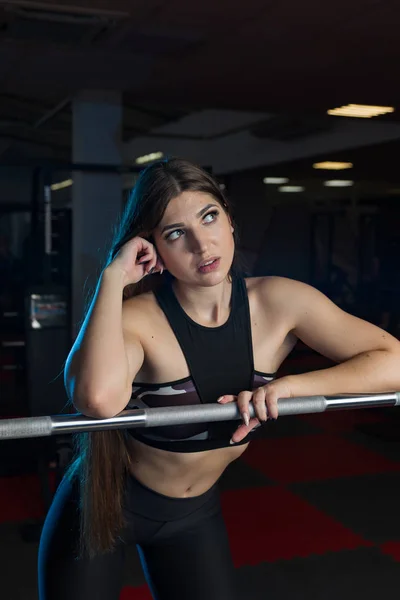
(311, 510)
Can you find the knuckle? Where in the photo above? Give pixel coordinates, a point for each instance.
(272, 404)
(258, 397)
(244, 398)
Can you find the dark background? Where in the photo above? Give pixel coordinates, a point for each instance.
(242, 89)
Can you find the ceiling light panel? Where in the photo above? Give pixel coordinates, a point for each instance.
(291, 188)
(330, 165)
(275, 180)
(360, 111)
(338, 183)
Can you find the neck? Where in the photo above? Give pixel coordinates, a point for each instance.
(208, 306)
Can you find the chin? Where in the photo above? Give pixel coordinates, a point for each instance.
(213, 278)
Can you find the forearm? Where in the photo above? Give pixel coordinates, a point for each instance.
(97, 368)
(368, 372)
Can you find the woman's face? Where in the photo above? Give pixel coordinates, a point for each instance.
(194, 239)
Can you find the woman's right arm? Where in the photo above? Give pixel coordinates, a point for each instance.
(107, 354)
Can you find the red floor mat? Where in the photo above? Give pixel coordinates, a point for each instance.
(314, 458)
(20, 499)
(392, 549)
(136, 593)
(271, 523)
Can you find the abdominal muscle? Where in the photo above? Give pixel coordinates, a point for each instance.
(178, 474)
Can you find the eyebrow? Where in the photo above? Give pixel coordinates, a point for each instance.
(199, 214)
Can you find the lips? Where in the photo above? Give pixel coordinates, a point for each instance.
(211, 264)
(206, 263)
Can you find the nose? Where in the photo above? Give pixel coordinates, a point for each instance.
(198, 242)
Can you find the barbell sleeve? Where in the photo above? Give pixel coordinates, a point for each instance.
(180, 415)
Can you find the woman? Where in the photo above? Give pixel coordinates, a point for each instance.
(202, 334)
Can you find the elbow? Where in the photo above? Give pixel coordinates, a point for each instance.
(99, 405)
(90, 408)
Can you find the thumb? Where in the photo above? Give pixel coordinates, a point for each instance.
(227, 398)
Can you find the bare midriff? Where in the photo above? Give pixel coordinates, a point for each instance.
(178, 474)
(185, 475)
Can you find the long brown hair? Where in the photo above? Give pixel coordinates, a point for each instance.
(102, 457)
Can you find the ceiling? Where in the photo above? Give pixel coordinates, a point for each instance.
(286, 61)
(377, 163)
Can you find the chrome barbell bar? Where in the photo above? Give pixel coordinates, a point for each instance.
(180, 415)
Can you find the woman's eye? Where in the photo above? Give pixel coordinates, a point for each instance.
(211, 216)
(174, 235)
(177, 233)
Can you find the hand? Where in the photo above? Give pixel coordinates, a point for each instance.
(136, 259)
(265, 401)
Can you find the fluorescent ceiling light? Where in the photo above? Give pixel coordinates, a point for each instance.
(361, 111)
(141, 160)
(330, 165)
(291, 188)
(61, 185)
(338, 183)
(275, 180)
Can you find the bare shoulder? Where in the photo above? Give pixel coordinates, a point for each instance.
(138, 312)
(283, 296)
(274, 289)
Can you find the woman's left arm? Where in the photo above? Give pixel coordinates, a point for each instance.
(368, 357)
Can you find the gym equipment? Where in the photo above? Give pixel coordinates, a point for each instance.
(174, 415)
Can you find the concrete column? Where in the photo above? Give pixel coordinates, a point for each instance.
(96, 196)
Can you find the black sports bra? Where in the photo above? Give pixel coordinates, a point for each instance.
(220, 361)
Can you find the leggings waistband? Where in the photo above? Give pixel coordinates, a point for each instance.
(146, 502)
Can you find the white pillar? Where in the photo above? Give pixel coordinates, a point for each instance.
(96, 196)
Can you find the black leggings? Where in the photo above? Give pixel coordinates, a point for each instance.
(182, 543)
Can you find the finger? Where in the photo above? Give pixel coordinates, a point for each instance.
(227, 398)
(272, 405)
(149, 259)
(159, 265)
(144, 257)
(260, 407)
(144, 245)
(243, 430)
(143, 248)
(243, 404)
(147, 267)
(151, 265)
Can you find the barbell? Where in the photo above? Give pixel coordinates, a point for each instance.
(29, 427)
